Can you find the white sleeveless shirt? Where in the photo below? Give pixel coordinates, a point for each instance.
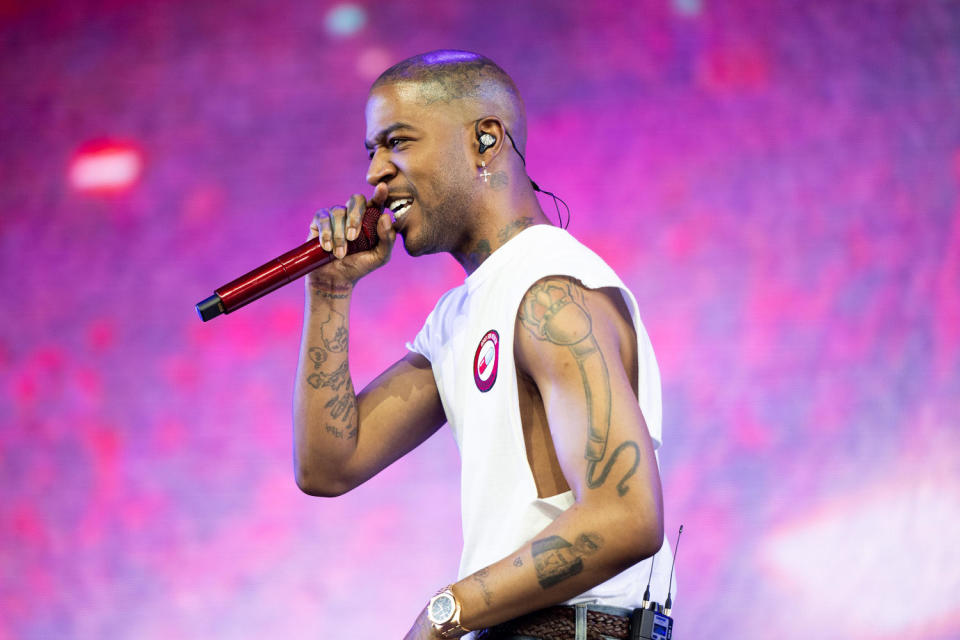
(468, 339)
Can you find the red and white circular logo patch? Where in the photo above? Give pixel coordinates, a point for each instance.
(486, 361)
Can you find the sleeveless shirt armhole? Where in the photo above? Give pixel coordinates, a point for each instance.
(421, 342)
(419, 345)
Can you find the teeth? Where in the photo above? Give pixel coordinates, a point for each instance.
(399, 207)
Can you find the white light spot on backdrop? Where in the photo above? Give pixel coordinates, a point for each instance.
(345, 19)
(877, 564)
(688, 7)
(111, 167)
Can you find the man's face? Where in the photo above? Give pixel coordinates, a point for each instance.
(419, 151)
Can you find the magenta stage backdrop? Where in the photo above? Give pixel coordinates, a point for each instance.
(777, 181)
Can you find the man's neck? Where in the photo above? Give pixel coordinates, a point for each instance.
(501, 222)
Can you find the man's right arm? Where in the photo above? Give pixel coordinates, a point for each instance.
(342, 439)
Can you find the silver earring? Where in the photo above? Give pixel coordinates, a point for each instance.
(485, 174)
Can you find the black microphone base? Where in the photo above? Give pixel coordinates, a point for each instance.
(210, 308)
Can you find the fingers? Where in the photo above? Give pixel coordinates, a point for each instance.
(338, 217)
(321, 222)
(330, 225)
(338, 225)
(356, 206)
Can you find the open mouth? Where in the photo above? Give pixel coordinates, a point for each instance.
(399, 206)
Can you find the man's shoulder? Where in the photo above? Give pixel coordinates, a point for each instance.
(543, 246)
(554, 251)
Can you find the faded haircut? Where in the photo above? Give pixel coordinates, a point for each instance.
(461, 74)
(446, 75)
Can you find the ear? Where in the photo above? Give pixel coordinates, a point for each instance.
(489, 134)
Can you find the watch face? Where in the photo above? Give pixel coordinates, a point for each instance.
(441, 609)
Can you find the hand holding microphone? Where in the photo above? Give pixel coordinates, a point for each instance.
(340, 229)
(353, 241)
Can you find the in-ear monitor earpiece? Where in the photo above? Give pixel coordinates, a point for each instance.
(486, 141)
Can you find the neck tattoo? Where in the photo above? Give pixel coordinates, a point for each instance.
(513, 228)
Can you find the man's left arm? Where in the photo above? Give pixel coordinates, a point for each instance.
(570, 341)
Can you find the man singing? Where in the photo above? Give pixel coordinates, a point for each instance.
(538, 362)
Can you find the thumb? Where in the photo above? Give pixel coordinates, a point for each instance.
(386, 237)
(380, 193)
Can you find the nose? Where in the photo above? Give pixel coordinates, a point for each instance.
(380, 168)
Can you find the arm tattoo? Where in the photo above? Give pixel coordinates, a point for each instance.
(553, 310)
(334, 332)
(333, 335)
(478, 578)
(331, 295)
(342, 405)
(318, 356)
(555, 559)
(331, 291)
(334, 380)
(622, 487)
(346, 433)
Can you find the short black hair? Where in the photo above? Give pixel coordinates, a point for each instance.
(454, 74)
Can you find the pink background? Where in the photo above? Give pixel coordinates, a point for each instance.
(777, 181)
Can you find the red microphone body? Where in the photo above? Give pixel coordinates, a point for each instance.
(283, 270)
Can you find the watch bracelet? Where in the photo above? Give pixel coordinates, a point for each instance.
(454, 624)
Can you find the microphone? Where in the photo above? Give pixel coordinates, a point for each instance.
(284, 269)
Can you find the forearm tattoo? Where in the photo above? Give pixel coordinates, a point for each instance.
(334, 332)
(553, 310)
(479, 578)
(346, 433)
(343, 406)
(331, 295)
(555, 559)
(327, 375)
(331, 291)
(334, 380)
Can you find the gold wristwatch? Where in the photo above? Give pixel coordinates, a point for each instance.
(444, 613)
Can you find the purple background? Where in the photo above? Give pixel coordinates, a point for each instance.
(777, 182)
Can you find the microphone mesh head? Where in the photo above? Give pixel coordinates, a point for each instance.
(368, 238)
